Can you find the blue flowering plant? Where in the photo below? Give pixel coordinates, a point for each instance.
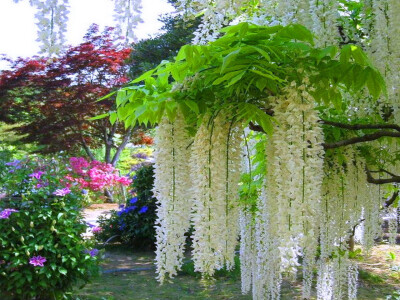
(42, 252)
(133, 223)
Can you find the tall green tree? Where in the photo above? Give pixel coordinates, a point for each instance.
(148, 53)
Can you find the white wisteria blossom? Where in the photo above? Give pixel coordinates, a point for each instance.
(287, 217)
(172, 190)
(52, 17)
(325, 15)
(247, 249)
(127, 16)
(215, 162)
(391, 216)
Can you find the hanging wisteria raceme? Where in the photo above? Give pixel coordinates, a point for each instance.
(172, 190)
(287, 217)
(215, 163)
(372, 215)
(217, 14)
(380, 43)
(384, 33)
(292, 11)
(325, 15)
(337, 278)
(391, 215)
(393, 77)
(267, 275)
(297, 173)
(325, 280)
(127, 15)
(341, 209)
(248, 254)
(252, 169)
(52, 17)
(352, 280)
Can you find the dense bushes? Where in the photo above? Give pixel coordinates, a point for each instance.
(134, 223)
(42, 253)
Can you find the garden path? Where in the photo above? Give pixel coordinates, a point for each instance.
(94, 211)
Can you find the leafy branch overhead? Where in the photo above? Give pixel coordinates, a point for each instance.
(241, 70)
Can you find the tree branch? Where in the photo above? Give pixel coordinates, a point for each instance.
(391, 200)
(360, 126)
(255, 127)
(371, 179)
(122, 146)
(109, 141)
(83, 142)
(86, 147)
(366, 138)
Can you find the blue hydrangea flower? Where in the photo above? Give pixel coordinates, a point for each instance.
(143, 210)
(130, 208)
(133, 200)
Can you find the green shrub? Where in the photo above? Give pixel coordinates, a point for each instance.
(42, 253)
(134, 222)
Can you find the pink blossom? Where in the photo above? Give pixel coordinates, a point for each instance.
(97, 229)
(124, 180)
(95, 175)
(37, 261)
(6, 213)
(36, 175)
(62, 192)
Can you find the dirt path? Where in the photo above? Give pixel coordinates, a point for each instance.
(93, 212)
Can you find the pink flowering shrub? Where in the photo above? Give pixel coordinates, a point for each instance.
(95, 176)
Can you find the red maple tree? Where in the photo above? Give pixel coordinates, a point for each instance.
(54, 98)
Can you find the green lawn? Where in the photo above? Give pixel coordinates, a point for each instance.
(376, 284)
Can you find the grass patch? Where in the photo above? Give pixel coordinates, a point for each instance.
(234, 274)
(369, 277)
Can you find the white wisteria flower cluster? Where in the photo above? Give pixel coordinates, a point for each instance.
(172, 190)
(127, 15)
(248, 256)
(325, 17)
(319, 15)
(286, 223)
(203, 193)
(215, 164)
(384, 42)
(52, 17)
